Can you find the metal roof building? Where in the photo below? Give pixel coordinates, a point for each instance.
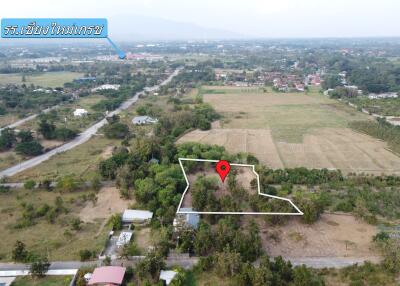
(130, 216)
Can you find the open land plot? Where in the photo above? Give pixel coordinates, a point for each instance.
(82, 161)
(334, 235)
(47, 79)
(243, 176)
(58, 239)
(285, 130)
(108, 203)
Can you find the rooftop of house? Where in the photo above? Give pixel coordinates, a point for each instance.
(113, 275)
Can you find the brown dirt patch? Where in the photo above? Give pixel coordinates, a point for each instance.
(331, 236)
(107, 152)
(108, 203)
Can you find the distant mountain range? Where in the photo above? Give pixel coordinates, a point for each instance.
(140, 28)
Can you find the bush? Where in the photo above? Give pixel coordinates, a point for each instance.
(31, 148)
(64, 134)
(29, 185)
(85, 254)
(116, 130)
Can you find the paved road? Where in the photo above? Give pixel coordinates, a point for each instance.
(82, 137)
(26, 119)
(70, 267)
(331, 262)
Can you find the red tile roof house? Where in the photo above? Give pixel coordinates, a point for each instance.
(107, 276)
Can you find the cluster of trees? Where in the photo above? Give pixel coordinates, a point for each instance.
(344, 92)
(381, 106)
(229, 266)
(23, 99)
(39, 265)
(178, 122)
(116, 129)
(23, 142)
(50, 131)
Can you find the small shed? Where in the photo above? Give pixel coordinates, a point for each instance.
(141, 216)
(167, 276)
(80, 112)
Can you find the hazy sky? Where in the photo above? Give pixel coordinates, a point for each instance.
(257, 18)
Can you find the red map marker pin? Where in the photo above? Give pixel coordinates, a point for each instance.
(223, 169)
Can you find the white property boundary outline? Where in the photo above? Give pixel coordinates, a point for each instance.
(299, 212)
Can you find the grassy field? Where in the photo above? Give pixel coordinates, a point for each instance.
(47, 79)
(287, 115)
(82, 161)
(293, 130)
(45, 281)
(57, 240)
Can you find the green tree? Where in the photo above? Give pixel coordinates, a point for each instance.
(227, 263)
(115, 221)
(150, 267)
(47, 129)
(29, 185)
(19, 253)
(64, 134)
(25, 135)
(30, 148)
(116, 130)
(39, 267)
(302, 276)
(7, 139)
(67, 184)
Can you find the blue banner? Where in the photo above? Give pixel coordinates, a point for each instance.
(53, 28)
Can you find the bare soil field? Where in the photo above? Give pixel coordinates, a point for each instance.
(285, 130)
(334, 235)
(108, 203)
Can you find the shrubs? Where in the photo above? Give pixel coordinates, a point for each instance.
(86, 254)
(115, 222)
(116, 130)
(32, 148)
(29, 185)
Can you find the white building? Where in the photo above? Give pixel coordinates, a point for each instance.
(140, 120)
(80, 112)
(130, 216)
(106, 87)
(167, 276)
(124, 238)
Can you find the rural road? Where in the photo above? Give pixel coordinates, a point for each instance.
(70, 267)
(331, 262)
(26, 119)
(82, 137)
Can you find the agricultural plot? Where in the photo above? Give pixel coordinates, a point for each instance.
(48, 79)
(294, 130)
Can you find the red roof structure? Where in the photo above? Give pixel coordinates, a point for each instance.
(108, 275)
